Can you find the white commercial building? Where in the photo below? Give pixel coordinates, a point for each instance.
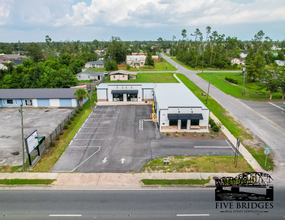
(176, 107)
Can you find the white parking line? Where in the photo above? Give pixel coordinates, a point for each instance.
(88, 139)
(192, 215)
(230, 146)
(212, 147)
(276, 106)
(86, 159)
(65, 215)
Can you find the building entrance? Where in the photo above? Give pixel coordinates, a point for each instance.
(183, 124)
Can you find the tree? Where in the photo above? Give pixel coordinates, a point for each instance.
(48, 40)
(270, 79)
(149, 61)
(257, 40)
(208, 31)
(35, 52)
(8, 49)
(116, 50)
(80, 95)
(281, 78)
(111, 65)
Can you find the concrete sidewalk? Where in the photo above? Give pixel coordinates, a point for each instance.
(110, 180)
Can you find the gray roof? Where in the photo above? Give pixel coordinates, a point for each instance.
(96, 62)
(175, 95)
(37, 93)
(90, 73)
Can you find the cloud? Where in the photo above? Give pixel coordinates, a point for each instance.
(4, 11)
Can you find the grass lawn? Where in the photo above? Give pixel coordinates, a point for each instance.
(203, 164)
(148, 78)
(164, 182)
(26, 181)
(200, 68)
(229, 122)
(97, 69)
(251, 89)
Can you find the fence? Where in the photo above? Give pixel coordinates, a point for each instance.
(51, 137)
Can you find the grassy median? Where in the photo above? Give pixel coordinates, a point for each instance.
(26, 181)
(197, 164)
(229, 122)
(184, 182)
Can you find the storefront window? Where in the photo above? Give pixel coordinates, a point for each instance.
(195, 122)
(118, 97)
(173, 122)
(132, 97)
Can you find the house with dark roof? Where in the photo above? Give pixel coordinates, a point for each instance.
(38, 98)
(95, 64)
(90, 75)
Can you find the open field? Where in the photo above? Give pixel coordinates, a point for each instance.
(200, 68)
(229, 122)
(207, 164)
(148, 78)
(251, 89)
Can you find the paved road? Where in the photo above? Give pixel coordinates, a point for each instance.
(125, 204)
(268, 132)
(119, 139)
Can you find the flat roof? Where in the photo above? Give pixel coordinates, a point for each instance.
(176, 95)
(64, 93)
(144, 85)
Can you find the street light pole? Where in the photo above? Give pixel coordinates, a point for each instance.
(23, 150)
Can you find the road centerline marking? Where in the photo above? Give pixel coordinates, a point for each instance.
(65, 215)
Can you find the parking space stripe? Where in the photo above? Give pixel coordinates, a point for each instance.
(212, 147)
(276, 106)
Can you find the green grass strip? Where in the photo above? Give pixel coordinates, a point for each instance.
(164, 182)
(228, 121)
(26, 181)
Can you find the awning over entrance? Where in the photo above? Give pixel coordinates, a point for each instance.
(124, 91)
(185, 116)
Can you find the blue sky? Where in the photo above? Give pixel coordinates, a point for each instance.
(86, 20)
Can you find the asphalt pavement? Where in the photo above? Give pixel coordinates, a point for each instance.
(119, 139)
(271, 134)
(152, 204)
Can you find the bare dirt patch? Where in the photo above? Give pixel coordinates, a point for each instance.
(196, 135)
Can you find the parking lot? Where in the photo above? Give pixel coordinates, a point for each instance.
(119, 139)
(44, 120)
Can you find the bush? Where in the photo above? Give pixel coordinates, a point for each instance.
(176, 135)
(57, 137)
(229, 79)
(216, 128)
(74, 115)
(61, 133)
(69, 122)
(77, 111)
(72, 118)
(52, 144)
(128, 67)
(81, 109)
(167, 134)
(212, 136)
(65, 127)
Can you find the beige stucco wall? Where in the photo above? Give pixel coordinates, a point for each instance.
(118, 77)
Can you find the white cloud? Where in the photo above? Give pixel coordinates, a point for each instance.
(4, 11)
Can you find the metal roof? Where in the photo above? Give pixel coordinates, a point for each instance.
(175, 95)
(143, 85)
(65, 93)
(90, 73)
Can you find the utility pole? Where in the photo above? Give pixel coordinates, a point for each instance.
(243, 79)
(23, 150)
(208, 89)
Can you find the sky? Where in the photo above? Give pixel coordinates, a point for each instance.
(87, 20)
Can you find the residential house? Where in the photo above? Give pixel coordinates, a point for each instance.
(90, 75)
(243, 54)
(3, 67)
(95, 64)
(239, 61)
(121, 75)
(100, 57)
(136, 61)
(280, 62)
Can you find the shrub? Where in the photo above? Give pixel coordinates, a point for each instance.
(69, 122)
(52, 144)
(167, 134)
(231, 80)
(203, 134)
(176, 135)
(128, 67)
(74, 115)
(65, 127)
(57, 137)
(61, 133)
(72, 118)
(81, 109)
(212, 136)
(183, 134)
(216, 128)
(77, 111)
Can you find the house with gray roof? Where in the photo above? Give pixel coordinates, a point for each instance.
(95, 64)
(175, 106)
(90, 75)
(38, 98)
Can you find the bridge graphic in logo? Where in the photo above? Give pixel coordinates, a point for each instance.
(246, 181)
